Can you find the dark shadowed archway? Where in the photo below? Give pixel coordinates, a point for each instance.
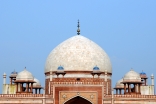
(78, 100)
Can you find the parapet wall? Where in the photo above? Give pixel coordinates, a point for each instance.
(130, 99)
(25, 99)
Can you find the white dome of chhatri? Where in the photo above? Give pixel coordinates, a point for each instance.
(37, 83)
(119, 84)
(132, 76)
(24, 75)
(78, 54)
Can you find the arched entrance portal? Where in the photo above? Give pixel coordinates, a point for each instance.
(78, 100)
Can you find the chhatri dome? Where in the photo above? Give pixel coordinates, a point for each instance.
(78, 53)
(119, 84)
(37, 83)
(132, 76)
(24, 75)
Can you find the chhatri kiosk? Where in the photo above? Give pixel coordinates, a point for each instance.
(78, 71)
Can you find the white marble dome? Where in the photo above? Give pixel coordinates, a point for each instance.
(132, 76)
(37, 83)
(24, 75)
(119, 84)
(78, 54)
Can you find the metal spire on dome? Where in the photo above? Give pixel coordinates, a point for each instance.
(131, 69)
(78, 30)
(25, 68)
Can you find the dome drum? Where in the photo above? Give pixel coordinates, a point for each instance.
(78, 74)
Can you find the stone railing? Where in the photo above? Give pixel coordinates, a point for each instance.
(24, 95)
(80, 83)
(131, 96)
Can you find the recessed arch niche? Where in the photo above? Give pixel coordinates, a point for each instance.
(78, 100)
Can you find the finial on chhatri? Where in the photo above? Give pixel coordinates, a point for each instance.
(78, 30)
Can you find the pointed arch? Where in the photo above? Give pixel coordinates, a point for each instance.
(77, 100)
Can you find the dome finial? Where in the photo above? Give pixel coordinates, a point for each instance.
(131, 69)
(78, 30)
(25, 68)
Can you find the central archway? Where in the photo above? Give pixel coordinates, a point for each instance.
(78, 100)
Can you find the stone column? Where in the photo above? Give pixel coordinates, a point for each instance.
(124, 88)
(39, 90)
(20, 87)
(11, 81)
(35, 90)
(120, 91)
(134, 87)
(117, 91)
(128, 88)
(16, 87)
(145, 82)
(139, 87)
(27, 87)
(31, 87)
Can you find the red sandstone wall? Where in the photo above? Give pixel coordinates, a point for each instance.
(47, 86)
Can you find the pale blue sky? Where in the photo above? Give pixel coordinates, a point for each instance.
(30, 29)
